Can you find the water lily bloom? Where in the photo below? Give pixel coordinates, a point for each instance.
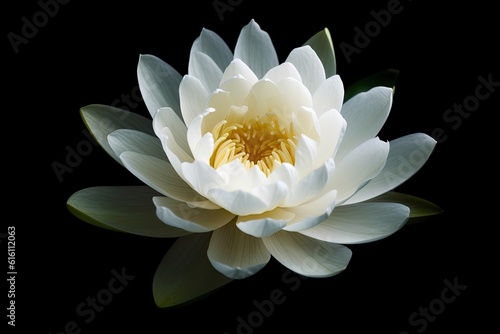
(246, 158)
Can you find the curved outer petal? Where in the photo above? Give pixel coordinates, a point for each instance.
(406, 156)
(238, 69)
(167, 118)
(329, 95)
(238, 89)
(185, 272)
(237, 177)
(205, 69)
(365, 114)
(202, 177)
(306, 154)
(175, 153)
(307, 256)
(236, 254)
(312, 213)
(261, 199)
(193, 95)
(359, 223)
(132, 140)
(196, 220)
(264, 96)
(159, 175)
(265, 224)
(214, 46)
(101, 120)
(125, 208)
(213, 185)
(195, 132)
(309, 186)
(255, 48)
(294, 95)
(309, 66)
(282, 71)
(332, 127)
(305, 121)
(358, 167)
(159, 84)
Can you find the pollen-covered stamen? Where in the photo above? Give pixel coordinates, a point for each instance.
(261, 141)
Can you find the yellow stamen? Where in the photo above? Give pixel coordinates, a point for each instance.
(262, 141)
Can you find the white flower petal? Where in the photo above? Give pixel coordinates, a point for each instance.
(312, 213)
(309, 186)
(255, 48)
(205, 69)
(263, 97)
(282, 71)
(406, 156)
(332, 127)
(132, 140)
(214, 46)
(202, 177)
(309, 66)
(259, 200)
(101, 120)
(286, 173)
(125, 208)
(365, 114)
(329, 95)
(158, 83)
(238, 89)
(204, 148)
(238, 177)
(265, 224)
(307, 256)
(159, 175)
(358, 167)
(359, 223)
(236, 254)
(196, 220)
(305, 155)
(305, 121)
(194, 131)
(238, 69)
(175, 153)
(193, 96)
(167, 118)
(185, 272)
(295, 95)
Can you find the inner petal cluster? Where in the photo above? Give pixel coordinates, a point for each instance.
(261, 141)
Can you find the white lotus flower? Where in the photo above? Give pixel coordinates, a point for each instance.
(249, 159)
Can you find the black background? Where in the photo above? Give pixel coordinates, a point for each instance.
(88, 52)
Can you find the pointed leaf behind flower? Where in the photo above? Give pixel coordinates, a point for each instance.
(385, 78)
(322, 44)
(420, 209)
(185, 273)
(126, 209)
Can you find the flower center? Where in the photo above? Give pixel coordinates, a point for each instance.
(260, 141)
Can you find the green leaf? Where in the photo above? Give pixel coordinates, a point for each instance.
(185, 274)
(125, 209)
(322, 44)
(420, 209)
(385, 78)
